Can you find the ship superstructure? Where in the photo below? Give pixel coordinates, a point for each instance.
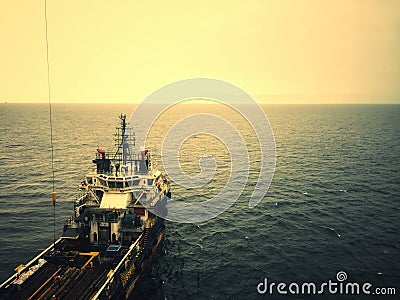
(117, 224)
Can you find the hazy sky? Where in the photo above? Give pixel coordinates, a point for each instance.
(277, 50)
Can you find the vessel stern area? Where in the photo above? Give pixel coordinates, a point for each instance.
(99, 256)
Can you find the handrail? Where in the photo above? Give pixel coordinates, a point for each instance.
(95, 196)
(141, 192)
(96, 296)
(29, 263)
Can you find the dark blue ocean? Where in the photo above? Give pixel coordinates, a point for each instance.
(333, 205)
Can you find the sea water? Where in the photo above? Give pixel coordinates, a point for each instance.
(333, 205)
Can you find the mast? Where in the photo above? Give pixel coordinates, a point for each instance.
(125, 146)
(124, 139)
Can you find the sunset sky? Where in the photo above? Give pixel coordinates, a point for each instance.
(284, 51)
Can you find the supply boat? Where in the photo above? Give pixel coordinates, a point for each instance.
(116, 228)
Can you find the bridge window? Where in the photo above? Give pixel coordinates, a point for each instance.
(134, 182)
(111, 184)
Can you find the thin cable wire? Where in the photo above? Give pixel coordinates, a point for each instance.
(49, 93)
(50, 119)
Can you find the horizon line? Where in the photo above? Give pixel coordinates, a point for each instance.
(211, 103)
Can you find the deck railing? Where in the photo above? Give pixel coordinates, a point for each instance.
(29, 264)
(117, 269)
